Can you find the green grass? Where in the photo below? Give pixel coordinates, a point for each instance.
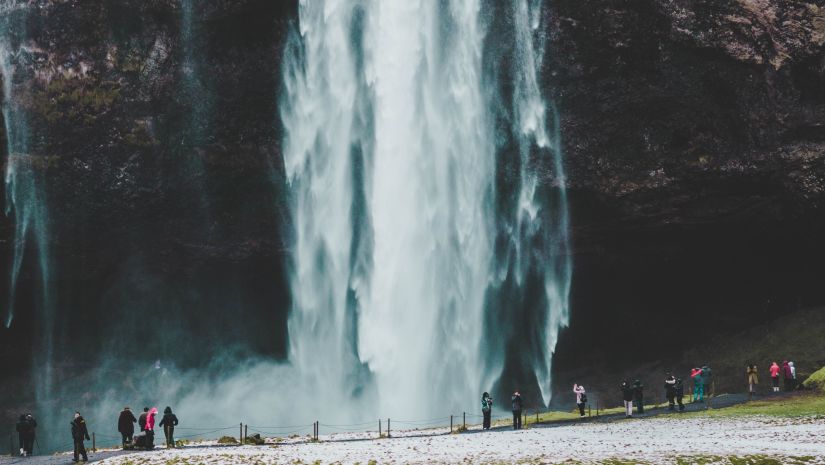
(742, 460)
(797, 406)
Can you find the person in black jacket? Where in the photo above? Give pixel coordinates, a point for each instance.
(638, 396)
(142, 418)
(627, 397)
(516, 401)
(169, 422)
(126, 425)
(26, 433)
(670, 391)
(680, 393)
(21, 436)
(79, 433)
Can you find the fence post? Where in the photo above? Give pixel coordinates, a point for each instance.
(588, 410)
(379, 428)
(388, 428)
(240, 433)
(11, 444)
(245, 432)
(94, 443)
(537, 415)
(464, 414)
(451, 423)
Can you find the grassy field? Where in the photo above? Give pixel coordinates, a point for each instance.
(801, 405)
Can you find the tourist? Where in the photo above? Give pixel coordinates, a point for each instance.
(168, 422)
(680, 393)
(30, 426)
(126, 426)
(21, 435)
(150, 427)
(79, 433)
(670, 391)
(793, 375)
(775, 376)
(698, 385)
(706, 380)
(638, 396)
(581, 398)
(627, 397)
(516, 401)
(753, 379)
(142, 419)
(788, 375)
(486, 409)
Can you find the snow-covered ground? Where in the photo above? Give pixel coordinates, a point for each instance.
(654, 440)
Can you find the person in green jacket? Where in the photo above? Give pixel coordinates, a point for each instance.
(698, 385)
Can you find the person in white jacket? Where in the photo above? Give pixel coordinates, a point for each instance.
(581, 398)
(793, 375)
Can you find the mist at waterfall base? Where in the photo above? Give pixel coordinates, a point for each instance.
(427, 240)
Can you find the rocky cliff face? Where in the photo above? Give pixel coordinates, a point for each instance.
(695, 143)
(694, 133)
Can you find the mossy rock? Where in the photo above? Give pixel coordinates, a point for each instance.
(816, 380)
(227, 440)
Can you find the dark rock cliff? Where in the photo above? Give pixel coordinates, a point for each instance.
(694, 136)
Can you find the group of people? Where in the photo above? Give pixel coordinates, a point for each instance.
(787, 370)
(146, 421)
(125, 424)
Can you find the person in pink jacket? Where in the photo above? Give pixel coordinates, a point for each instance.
(775, 376)
(150, 427)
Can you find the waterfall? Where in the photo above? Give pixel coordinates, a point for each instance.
(396, 128)
(25, 197)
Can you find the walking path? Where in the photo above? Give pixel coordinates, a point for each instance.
(721, 401)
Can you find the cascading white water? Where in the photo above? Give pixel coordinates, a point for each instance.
(391, 155)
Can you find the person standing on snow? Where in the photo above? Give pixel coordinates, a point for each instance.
(486, 409)
(639, 397)
(168, 422)
(126, 425)
(670, 391)
(775, 376)
(753, 379)
(516, 401)
(142, 419)
(627, 398)
(581, 398)
(79, 433)
(680, 393)
(698, 385)
(150, 427)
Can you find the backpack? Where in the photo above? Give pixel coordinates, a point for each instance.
(583, 398)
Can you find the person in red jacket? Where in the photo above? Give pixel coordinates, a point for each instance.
(150, 427)
(775, 376)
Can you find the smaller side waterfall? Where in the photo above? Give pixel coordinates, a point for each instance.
(25, 198)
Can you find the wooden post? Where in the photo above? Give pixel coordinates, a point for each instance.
(379, 428)
(588, 409)
(464, 414)
(388, 427)
(240, 433)
(94, 443)
(245, 432)
(451, 423)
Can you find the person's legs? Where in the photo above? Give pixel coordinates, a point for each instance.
(670, 403)
(76, 450)
(29, 444)
(516, 418)
(519, 419)
(640, 405)
(486, 420)
(581, 409)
